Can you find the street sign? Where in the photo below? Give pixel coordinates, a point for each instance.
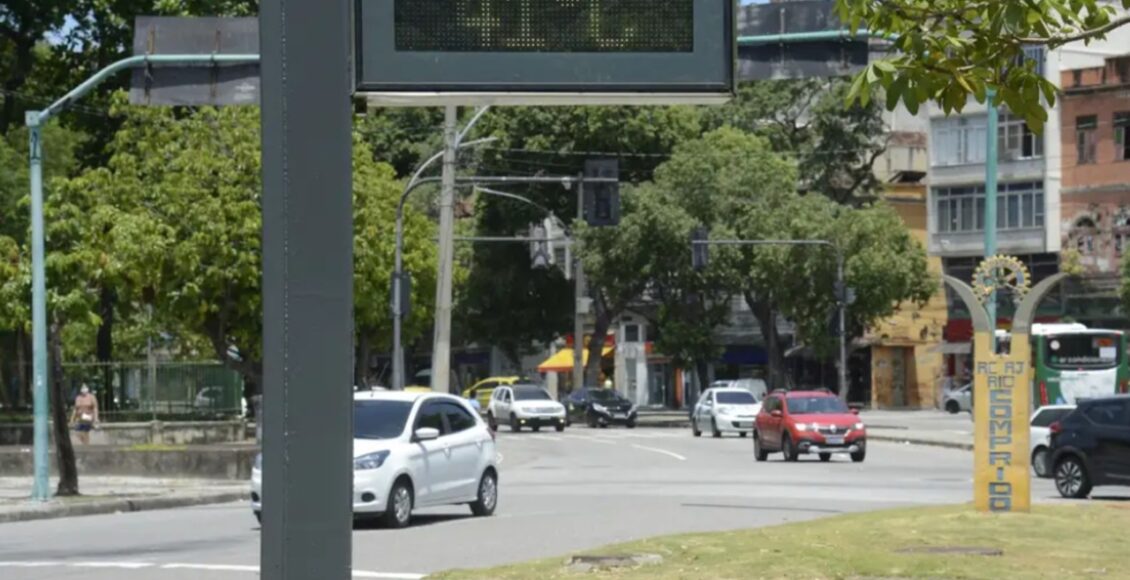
(544, 51)
(215, 85)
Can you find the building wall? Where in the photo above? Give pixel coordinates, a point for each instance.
(1096, 195)
(906, 361)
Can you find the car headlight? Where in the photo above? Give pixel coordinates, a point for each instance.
(802, 427)
(599, 408)
(858, 426)
(370, 461)
(259, 462)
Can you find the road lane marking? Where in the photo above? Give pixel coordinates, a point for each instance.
(663, 451)
(124, 565)
(595, 440)
(498, 457)
(29, 564)
(211, 567)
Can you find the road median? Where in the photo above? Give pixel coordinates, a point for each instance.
(1061, 541)
(89, 506)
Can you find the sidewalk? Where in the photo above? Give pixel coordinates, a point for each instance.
(106, 495)
(927, 427)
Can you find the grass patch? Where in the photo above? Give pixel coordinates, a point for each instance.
(156, 447)
(1066, 541)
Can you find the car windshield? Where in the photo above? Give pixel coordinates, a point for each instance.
(1091, 351)
(531, 393)
(735, 398)
(815, 406)
(380, 419)
(604, 395)
(1046, 417)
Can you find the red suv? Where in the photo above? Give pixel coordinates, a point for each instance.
(808, 422)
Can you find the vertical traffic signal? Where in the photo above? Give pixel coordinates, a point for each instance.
(602, 199)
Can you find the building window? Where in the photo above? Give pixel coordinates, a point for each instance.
(1084, 234)
(1035, 55)
(959, 140)
(1122, 136)
(962, 209)
(1086, 129)
(1077, 77)
(1016, 140)
(632, 333)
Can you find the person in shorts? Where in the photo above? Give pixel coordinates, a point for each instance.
(85, 414)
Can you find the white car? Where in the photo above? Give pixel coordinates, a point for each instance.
(410, 451)
(959, 399)
(524, 405)
(725, 410)
(1040, 435)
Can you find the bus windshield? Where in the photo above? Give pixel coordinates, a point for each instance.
(1082, 351)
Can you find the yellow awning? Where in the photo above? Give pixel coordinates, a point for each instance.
(562, 361)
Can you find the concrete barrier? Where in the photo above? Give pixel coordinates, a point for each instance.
(215, 462)
(150, 432)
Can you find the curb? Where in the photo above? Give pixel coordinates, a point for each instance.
(119, 505)
(926, 442)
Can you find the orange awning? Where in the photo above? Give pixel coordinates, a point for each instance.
(562, 361)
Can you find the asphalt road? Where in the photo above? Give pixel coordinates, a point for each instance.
(558, 493)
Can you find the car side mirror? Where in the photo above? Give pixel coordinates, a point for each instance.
(776, 413)
(427, 434)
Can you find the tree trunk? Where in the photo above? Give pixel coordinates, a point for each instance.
(64, 449)
(766, 316)
(702, 373)
(361, 364)
(596, 346)
(105, 344)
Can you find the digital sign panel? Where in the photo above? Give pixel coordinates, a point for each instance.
(644, 50)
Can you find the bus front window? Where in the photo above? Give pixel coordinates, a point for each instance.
(1082, 351)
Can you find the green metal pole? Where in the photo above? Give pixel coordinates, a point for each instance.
(991, 202)
(816, 36)
(35, 121)
(40, 490)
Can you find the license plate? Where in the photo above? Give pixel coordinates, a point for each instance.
(620, 415)
(835, 440)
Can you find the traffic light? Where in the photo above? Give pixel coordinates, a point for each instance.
(700, 252)
(602, 200)
(540, 255)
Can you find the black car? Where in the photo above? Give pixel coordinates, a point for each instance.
(600, 408)
(1091, 446)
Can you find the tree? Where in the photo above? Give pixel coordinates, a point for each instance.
(806, 119)
(948, 50)
(23, 25)
(505, 302)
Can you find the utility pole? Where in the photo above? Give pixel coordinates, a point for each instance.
(441, 347)
(991, 204)
(579, 292)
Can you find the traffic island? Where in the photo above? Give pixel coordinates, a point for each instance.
(1054, 541)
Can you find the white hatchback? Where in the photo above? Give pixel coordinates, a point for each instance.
(1040, 435)
(414, 450)
(727, 409)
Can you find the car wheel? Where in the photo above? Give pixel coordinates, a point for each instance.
(592, 422)
(953, 407)
(631, 424)
(491, 422)
(487, 499)
(1040, 461)
(788, 449)
(1071, 478)
(825, 457)
(759, 453)
(743, 434)
(399, 510)
(536, 428)
(559, 428)
(859, 456)
(514, 426)
(714, 428)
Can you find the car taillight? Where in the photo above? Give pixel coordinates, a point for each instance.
(1055, 428)
(1124, 387)
(1043, 393)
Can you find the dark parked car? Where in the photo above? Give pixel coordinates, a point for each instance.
(1091, 446)
(600, 408)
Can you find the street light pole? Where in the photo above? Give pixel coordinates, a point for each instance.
(578, 293)
(991, 204)
(35, 121)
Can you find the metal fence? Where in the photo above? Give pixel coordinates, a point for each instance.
(140, 391)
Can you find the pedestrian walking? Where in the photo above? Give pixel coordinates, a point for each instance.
(85, 414)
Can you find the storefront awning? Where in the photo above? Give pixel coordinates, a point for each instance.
(562, 362)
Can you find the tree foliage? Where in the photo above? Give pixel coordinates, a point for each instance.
(948, 50)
